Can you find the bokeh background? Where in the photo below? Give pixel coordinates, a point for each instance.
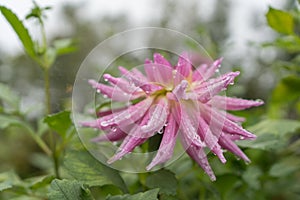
(234, 29)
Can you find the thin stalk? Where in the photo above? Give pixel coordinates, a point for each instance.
(51, 134)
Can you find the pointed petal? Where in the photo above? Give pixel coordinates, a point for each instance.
(230, 103)
(163, 72)
(113, 93)
(212, 69)
(218, 122)
(207, 90)
(226, 143)
(179, 90)
(148, 87)
(115, 134)
(199, 72)
(210, 139)
(157, 119)
(184, 65)
(150, 71)
(130, 141)
(121, 83)
(128, 116)
(167, 143)
(185, 125)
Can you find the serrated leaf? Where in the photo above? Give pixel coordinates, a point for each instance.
(280, 21)
(148, 195)
(9, 97)
(82, 166)
(68, 190)
(59, 122)
(20, 30)
(270, 133)
(163, 179)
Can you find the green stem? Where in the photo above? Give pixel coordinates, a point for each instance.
(51, 134)
(39, 141)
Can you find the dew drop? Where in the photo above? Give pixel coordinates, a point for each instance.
(105, 96)
(98, 90)
(166, 124)
(217, 70)
(231, 83)
(113, 129)
(242, 138)
(115, 143)
(160, 131)
(105, 79)
(104, 123)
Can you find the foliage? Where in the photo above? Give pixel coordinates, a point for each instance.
(73, 173)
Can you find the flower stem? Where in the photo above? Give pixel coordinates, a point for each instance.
(51, 134)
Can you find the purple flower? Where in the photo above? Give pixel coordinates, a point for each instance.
(173, 100)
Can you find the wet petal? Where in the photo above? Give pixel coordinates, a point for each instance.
(115, 134)
(211, 70)
(114, 93)
(167, 143)
(230, 103)
(226, 143)
(128, 116)
(157, 119)
(163, 72)
(207, 90)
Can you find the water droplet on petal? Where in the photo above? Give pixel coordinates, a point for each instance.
(105, 79)
(115, 143)
(242, 138)
(217, 70)
(105, 96)
(98, 90)
(113, 129)
(161, 131)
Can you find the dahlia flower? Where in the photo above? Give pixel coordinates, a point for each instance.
(173, 100)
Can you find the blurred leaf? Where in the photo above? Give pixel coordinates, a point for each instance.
(8, 180)
(83, 167)
(20, 30)
(68, 190)
(163, 179)
(285, 167)
(50, 57)
(9, 97)
(148, 195)
(285, 92)
(290, 43)
(270, 133)
(64, 46)
(280, 21)
(6, 121)
(167, 197)
(251, 176)
(59, 122)
(39, 182)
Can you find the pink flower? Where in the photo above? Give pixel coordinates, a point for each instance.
(174, 100)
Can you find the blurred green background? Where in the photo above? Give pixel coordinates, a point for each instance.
(239, 31)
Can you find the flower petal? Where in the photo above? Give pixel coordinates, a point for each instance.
(167, 143)
(226, 143)
(115, 134)
(210, 71)
(230, 103)
(128, 116)
(207, 90)
(157, 119)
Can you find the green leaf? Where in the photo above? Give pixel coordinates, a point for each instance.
(280, 21)
(285, 167)
(6, 121)
(8, 180)
(251, 176)
(271, 134)
(85, 168)
(64, 46)
(163, 179)
(40, 182)
(290, 43)
(9, 97)
(287, 91)
(20, 30)
(59, 122)
(68, 190)
(148, 195)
